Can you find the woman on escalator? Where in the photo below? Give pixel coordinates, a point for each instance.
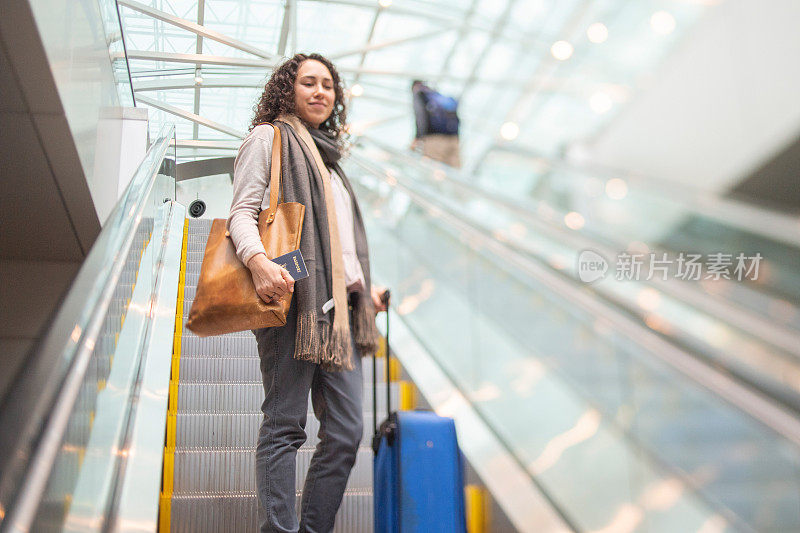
(331, 321)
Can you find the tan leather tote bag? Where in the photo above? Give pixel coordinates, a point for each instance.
(226, 299)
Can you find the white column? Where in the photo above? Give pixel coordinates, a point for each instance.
(120, 147)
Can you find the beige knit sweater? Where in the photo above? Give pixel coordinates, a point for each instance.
(251, 194)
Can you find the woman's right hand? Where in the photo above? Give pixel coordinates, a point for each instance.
(271, 280)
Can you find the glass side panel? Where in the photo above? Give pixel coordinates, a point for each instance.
(116, 50)
(660, 299)
(73, 461)
(631, 214)
(110, 322)
(616, 437)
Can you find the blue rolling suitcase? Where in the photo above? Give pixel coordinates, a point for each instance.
(418, 474)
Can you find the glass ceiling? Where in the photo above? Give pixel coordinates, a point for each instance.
(203, 64)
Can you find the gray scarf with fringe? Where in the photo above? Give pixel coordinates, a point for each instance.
(324, 338)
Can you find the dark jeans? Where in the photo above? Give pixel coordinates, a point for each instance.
(337, 399)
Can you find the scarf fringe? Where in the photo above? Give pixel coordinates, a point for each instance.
(338, 352)
(366, 334)
(304, 176)
(323, 344)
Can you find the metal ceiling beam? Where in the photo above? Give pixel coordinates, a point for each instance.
(370, 34)
(205, 167)
(190, 83)
(195, 28)
(561, 85)
(178, 112)
(161, 72)
(178, 73)
(288, 9)
(237, 82)
(549, 64)
(419, 75)
(189, 153)
(526, 47)
(394, 42)
(207, 145)
(294, 28)
(536, 83)
(201, 15)
(495, 35)
(370, 4)
(455, 19)
(463, 29)
(202, 59)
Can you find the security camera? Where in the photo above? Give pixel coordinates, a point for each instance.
(197, 208)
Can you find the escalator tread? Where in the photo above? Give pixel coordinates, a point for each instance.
(217, 422)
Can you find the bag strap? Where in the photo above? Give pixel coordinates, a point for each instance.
(275, 175)
(385, 297)
(376, 437)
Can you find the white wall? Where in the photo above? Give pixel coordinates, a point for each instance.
(728, 99)
(76, 37)
(133, 144)
(215, 191)
(121, 146)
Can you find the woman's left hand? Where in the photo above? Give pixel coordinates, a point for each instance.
(377, 294)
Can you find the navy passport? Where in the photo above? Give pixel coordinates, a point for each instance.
(293, 262)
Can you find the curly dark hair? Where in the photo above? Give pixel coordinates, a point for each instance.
(278, 96)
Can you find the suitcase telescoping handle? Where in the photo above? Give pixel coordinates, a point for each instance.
(376, 434)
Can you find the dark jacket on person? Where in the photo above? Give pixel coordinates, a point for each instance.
(434, 112)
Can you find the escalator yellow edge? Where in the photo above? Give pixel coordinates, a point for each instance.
(165, 506)
(477, 502)
(165, 501)
(395, 369)
(408, 396)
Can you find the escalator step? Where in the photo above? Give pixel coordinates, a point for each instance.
(217, 425)
(248, 335)
(219, 398)
(217, 347)
(247, 398)
(237, 513)
(245, 369)
(223, 471)
(218, 431)
(221, 370)
(212, 431)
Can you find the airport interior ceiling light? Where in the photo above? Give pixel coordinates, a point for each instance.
(552, 72)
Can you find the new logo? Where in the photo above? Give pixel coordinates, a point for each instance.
(591, 266)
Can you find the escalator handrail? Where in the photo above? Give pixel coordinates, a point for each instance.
(758, 220)
(36, 412)
(747, 398)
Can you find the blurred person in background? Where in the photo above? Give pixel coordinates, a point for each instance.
(437, 124)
